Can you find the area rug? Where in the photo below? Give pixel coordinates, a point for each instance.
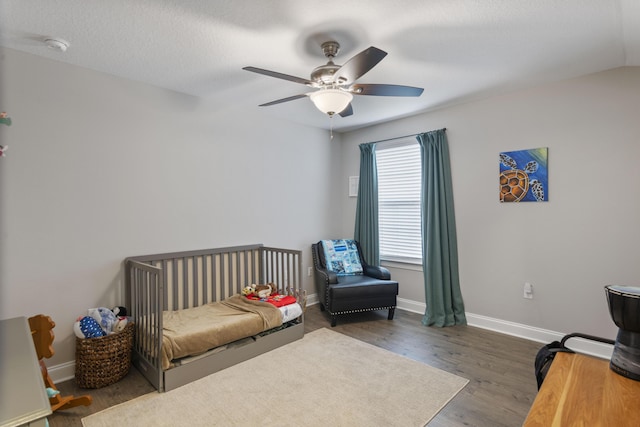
(324, 379)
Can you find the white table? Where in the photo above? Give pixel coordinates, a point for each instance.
(23, 398)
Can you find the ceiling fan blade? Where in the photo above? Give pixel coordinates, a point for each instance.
(280, 76)
(357, 66)
(347, 111)
(385, 90)
(280, 101)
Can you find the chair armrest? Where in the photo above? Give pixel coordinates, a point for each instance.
(327, 276)
(377, 272)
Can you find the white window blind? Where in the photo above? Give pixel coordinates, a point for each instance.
(399, 176)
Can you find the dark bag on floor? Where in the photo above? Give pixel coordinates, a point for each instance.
(545, 357)
(547, 353)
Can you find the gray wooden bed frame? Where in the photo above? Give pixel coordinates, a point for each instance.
(181, 280)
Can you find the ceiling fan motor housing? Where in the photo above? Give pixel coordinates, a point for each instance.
(330, 49)
(324, 73)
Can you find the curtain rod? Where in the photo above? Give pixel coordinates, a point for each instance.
(400, 137)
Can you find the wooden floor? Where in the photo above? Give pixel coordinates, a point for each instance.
(499, 368)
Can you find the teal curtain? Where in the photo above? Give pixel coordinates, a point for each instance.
(366, 230)
(439, 242)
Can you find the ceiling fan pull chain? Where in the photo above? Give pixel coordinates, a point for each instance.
(331, 126)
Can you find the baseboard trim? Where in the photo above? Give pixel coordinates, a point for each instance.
(313, 299)
(62, 372)
(412, 306)
(66, 371)
(519, 330)
(532, 333)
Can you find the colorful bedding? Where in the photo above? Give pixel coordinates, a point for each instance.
(275, 299)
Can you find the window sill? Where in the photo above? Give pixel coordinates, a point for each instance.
(401, 265)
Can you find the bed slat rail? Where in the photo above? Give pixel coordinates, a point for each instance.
(147, 297)
(282, 267)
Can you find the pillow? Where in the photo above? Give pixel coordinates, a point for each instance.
(342, 257)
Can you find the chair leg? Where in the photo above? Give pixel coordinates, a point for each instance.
(321, 307)
(334, 320)
(391, 313)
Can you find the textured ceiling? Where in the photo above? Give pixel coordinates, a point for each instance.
(457, 50)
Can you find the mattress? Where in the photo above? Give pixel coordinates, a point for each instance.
(290, 312)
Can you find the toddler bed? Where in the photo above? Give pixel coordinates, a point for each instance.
(191, 319)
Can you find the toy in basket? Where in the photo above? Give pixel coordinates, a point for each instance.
(103, 348)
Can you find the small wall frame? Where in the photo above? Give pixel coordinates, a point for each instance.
(354, 181)
(523, 176)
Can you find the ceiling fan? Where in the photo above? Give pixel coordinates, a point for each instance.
(336, 83)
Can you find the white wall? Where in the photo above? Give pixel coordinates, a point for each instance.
(569, 248)
(100, 168)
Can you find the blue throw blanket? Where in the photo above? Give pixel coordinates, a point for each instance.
(342, 257)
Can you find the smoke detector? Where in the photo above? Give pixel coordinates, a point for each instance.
(56, 44)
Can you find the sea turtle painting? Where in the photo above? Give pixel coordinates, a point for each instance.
(523, 175)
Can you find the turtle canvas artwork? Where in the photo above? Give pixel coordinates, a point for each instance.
(523, 176)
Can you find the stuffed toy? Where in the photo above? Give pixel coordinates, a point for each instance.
(5, 119)
(52, 392)
(120, 311)
(120, 324)
(263, 291)
(105, 318)
(248, 290)
(87, 327)
(274, 288)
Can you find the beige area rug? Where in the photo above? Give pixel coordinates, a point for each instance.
(324, 379)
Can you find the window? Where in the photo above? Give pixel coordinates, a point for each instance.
(399, 181)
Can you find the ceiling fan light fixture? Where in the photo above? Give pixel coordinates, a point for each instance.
(331, 101)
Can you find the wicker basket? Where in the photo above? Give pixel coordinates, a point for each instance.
(104, 360)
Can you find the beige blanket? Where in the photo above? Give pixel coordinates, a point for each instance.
(196, 330)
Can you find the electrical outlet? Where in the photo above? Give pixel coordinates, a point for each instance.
(309, 271)
(528, 291)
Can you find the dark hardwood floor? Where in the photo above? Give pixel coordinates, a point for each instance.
(499, 368)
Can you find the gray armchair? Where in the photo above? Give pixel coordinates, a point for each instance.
(342, 293)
